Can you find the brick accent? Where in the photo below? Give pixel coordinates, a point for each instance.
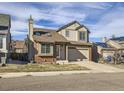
(44, 59)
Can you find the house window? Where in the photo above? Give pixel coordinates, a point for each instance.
(1, 42)
(37, 33)
(3, 28)
(67, 33)
(46, 48)
(82, 36)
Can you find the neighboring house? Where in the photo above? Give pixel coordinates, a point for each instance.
(19, 52)
(113, 47)
(19, 47)
(5, 36)
(102, 50)
(118, 43)
(69, 43)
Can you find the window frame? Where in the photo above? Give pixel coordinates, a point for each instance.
(67, 33)
(83, 38)
(1, 42)
(2, 38)
(46, 49)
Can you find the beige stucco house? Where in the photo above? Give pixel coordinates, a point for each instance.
(117, 42)
(102, 50)
(113, 47)
(5, 36)
(68, 43)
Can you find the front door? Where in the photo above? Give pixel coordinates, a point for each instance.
(58, 51)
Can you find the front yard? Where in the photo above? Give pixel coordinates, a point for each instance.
(40, 67)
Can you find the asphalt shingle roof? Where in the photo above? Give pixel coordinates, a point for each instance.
(104, 45)
(50, 36)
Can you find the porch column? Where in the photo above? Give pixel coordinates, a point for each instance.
(66, 52)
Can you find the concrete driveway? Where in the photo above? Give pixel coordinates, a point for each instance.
(97, 67)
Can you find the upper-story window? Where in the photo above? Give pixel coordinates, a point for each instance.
(82, 36)
(37, 33)
(40, 33)
(3, 27)
(1, 41)
(67, 33)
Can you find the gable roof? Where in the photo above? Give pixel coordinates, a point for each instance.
(5, 20)
(118, 38)
(67, 25)
(103, 45)
(53, 36)
(18, 44)
(81, 26)
(73, 22)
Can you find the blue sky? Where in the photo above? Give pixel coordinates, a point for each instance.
(102, 19)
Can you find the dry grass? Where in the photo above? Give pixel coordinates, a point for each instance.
(41, 67)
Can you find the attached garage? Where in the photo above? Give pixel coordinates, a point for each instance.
(108, 53)
(76, 53)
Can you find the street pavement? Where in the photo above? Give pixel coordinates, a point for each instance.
(75, 82)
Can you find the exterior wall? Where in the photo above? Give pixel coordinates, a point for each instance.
(106, 53)
(95, 54)
(4, 44)
(38, 58)
(73, 34)
(44, 59)
(62, 53)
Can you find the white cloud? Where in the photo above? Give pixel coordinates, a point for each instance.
(111, 23)
(21, 12)
(97, 5)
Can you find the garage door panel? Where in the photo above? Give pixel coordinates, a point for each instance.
(75, 54)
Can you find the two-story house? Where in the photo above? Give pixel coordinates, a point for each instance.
(5, 36)
(68, 43)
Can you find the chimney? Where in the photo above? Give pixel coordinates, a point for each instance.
(30, 28)
(104, 39)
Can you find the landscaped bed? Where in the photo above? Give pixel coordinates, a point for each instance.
(40, 67)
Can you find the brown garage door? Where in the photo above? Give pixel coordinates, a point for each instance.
(75, 54)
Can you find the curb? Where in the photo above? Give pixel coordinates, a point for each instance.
(21, 74)
(12, 75)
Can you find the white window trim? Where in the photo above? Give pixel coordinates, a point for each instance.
(80, 38)
(45, 54)
(66, 33)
